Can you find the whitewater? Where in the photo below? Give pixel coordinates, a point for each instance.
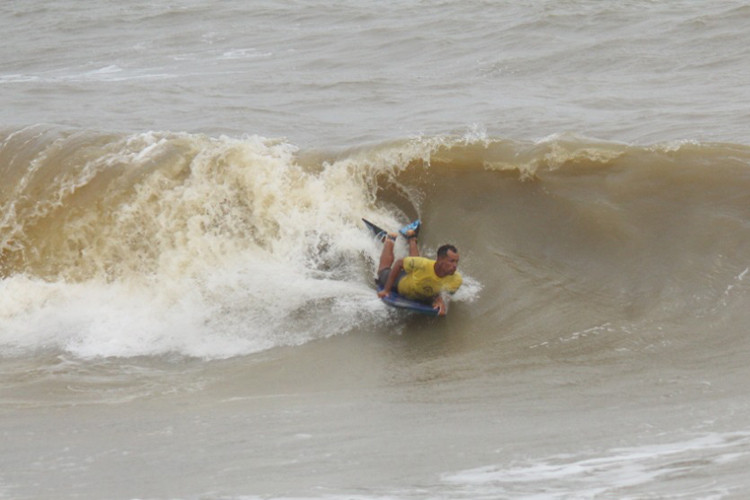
(187, 306)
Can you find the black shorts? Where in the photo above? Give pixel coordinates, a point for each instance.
(383, 277)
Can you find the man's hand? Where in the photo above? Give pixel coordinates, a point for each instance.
(440, 305)
(382, 294)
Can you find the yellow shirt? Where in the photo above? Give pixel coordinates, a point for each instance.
(421, 282)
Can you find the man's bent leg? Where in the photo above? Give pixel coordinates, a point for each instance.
(413, 249)
(387, 256)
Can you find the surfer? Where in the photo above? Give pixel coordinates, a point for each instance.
(416, 277)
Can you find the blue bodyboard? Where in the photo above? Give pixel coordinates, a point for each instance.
(396, 300)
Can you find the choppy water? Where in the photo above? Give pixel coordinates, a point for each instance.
(186, 302)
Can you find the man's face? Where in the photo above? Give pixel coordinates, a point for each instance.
(447, 265)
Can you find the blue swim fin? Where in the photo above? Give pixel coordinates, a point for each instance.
(414, 226)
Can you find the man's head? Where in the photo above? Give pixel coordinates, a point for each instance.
(447, 260)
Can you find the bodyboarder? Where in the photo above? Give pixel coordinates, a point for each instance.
(416, 277)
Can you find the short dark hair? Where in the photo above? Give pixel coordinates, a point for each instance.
(443, 250)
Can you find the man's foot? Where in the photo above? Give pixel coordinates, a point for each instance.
(411, 230)
(382, 235)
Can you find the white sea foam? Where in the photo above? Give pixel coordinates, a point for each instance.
(198, 246)
(234, 312)
(620, 472)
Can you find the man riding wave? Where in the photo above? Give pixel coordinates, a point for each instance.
(416, 277)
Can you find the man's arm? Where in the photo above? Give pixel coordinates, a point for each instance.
(395, 271)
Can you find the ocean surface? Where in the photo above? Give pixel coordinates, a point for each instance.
(187, 308)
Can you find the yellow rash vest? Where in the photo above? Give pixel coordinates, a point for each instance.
(421, 282)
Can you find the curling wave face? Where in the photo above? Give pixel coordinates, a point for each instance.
(155, 243)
